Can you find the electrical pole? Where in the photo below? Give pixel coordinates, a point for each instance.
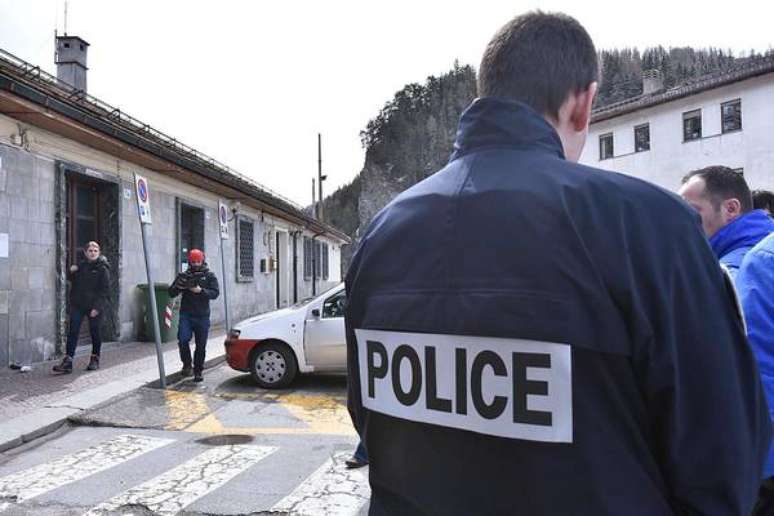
(320, 177)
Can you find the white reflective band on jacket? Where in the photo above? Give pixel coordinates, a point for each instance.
(513, 388)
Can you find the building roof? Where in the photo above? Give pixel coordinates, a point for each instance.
(33, 85)
(748, 69)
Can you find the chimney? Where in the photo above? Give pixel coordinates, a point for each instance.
(70, 61)
(652, 81)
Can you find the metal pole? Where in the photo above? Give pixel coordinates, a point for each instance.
(319, 176)
(225, 291)
(154, 311)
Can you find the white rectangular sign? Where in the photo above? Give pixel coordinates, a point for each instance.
(520, 389)
(142, 190)
(3, 245)
(223, 219)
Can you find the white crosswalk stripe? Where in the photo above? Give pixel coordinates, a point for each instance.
(174, 490)
(332, 490)
(71, 468)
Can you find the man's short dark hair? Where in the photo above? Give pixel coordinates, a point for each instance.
(538, 58)
(763, 200)
(723, 183)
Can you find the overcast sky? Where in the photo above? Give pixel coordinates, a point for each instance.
(252, 83)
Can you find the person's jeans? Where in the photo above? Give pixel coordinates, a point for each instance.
(76, 317)
(360, 452)
(197, 326)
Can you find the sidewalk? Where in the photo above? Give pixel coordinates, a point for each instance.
(35, 403)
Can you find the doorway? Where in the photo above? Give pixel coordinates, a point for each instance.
(190, 231)
(92, 213)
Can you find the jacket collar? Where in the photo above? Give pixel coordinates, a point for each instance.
(745, 231)
(497, 122)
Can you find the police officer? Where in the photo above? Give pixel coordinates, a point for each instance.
(199, 286)
(527, 335)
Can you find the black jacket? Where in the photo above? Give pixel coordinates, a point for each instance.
(195, 304)
(90, 285)
(528, 335)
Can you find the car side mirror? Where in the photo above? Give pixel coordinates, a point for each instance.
(316, 312)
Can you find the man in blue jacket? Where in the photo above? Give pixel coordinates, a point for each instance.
(723, 200)
(524, 336)
(755, 283)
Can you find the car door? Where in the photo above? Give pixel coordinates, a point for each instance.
(325, 343)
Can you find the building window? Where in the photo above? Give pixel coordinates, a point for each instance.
(246, 250)
(731, 114)
(642, 138)
(307, 258)
(692, 125)
(606, 146)
(190, 232)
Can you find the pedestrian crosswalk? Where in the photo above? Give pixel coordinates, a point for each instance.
(76, 466)
(200, 472)
(329, 491)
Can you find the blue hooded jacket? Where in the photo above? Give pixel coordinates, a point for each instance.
(735, 239)
(755, 283)
(524, 336)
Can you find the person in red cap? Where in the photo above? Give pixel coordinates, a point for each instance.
(199, 286)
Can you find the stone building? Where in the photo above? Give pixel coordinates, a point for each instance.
(67, 162)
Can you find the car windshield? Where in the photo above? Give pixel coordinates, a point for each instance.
(308, 300)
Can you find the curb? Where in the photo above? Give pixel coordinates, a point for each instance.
(173, 378)
(46, 420)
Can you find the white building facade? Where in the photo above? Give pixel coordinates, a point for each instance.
(724, 119)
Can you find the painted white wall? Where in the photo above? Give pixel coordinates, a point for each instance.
(669, 158)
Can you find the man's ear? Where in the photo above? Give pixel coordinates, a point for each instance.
(581, 113)
(732, 208)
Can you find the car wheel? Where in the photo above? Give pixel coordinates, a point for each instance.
(273, 365)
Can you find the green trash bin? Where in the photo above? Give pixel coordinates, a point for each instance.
(168, 309)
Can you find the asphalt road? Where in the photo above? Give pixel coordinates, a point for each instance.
(221, 447)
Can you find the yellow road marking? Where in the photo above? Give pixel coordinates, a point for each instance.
(321, 413)
(184, 408)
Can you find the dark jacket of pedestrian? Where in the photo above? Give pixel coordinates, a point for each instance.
(195, 304)
(527, 335)
(90, 285)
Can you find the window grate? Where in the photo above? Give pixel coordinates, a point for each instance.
(246, 250)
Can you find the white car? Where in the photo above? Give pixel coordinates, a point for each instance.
(306, 337)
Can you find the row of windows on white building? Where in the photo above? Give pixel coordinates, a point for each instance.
(731, 116)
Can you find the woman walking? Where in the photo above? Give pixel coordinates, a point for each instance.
(88, 298)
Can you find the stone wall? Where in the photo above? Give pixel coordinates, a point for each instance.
(28, 274)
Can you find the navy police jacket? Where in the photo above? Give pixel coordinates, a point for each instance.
(527, 335)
